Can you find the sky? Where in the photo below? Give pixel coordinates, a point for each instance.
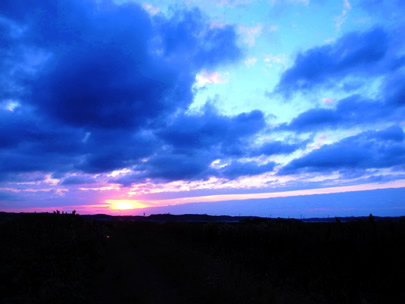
(242, 107)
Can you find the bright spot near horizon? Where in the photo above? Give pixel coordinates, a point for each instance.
(125, 204)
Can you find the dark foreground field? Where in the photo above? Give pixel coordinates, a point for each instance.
(59, 258)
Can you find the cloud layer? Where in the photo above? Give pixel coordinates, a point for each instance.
(94, 91)
(98, 87)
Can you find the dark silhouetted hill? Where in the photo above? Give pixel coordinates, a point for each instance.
(65, 258)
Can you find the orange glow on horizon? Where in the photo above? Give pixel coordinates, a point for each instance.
(125, 204)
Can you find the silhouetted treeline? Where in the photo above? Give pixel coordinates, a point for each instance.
(255, 261)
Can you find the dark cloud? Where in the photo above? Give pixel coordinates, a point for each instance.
(356, 110)
(112, 66)
(394, 90)
(393, 133)
(349, 112)
(189, 143)
(78, 180)
(8, 196)
(187, 37)
(277, 147)
(212, 131)
(371, 149)
(121, 70)
(236, 169)
(382, 178)
(177, 167)
(167, 166)
(107, 150)
(383, 8)
(171, 167)
(28, 143)
(350, 63)
(101, 87)
(354, 54)
(96, 87)
(31, 143)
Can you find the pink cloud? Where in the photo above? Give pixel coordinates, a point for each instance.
(206, 77)
(328, 101)
(150, 9)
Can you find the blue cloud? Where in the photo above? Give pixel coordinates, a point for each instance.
(350, 111)
(163, 167)
(394, 89)
(236, 169)
(277, 148)
(211, 130)
(355, 54)
(171, 167)
(8, 196)
(107, 150)
(105, 86)
(384, 8)
(189, 143)
(370, 149)
(112, 66)
(187, 37)
(78, 180)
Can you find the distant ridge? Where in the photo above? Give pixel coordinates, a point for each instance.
(204, 218)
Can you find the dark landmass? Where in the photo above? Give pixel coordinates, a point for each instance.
(66, 258)
(204, 218)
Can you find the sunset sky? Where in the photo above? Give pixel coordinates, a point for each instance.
(266, 107)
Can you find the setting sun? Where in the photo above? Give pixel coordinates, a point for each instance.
(125, 204)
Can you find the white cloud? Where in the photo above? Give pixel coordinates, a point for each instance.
(206, 77)
(11, 105)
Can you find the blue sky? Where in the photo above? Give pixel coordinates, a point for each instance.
(114, 106)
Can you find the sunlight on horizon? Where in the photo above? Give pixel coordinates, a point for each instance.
(125, 204)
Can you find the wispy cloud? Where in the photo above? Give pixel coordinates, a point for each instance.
(250, 33)
(250, 61)
(232, 2)
(304, 2)
(278, 60)
(339, 20)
